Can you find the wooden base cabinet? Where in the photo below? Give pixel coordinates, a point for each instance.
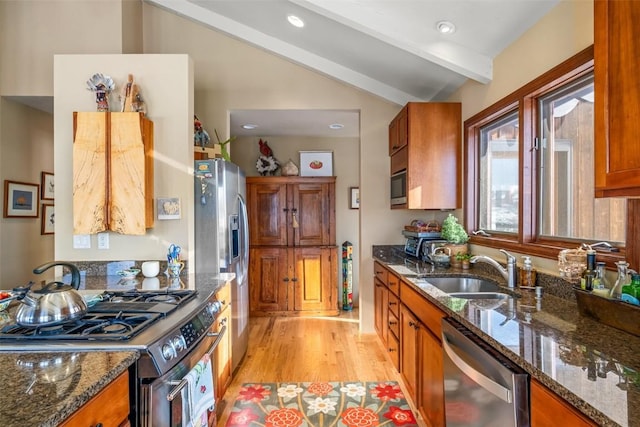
(550, 410)
(222, 355)
(421, 365)
(293, 281)
(110, 407)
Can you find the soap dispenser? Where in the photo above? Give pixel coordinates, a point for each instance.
(527, 276)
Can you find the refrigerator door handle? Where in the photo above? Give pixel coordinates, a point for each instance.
(487, 383)
(244, 223)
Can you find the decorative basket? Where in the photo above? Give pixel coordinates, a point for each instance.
(571, 264)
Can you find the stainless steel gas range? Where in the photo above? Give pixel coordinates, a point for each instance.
(170, 328)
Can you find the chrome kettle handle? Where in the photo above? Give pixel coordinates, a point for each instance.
(75, 273)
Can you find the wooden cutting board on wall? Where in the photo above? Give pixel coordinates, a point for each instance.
(89, 173)
(113, 173)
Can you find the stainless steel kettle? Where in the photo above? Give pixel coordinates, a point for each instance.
(55, 303)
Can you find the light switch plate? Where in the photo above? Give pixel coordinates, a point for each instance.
(81, 241)
(103, 240)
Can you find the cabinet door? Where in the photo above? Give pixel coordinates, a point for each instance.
(311, 214)
(549, 410)
(267, 207)
(269, 280)
(398, 131)
(382, 312)
(617, 97)
(110, 407)
(409, 327)
(222, 355)
(430, 399)
(314, 281)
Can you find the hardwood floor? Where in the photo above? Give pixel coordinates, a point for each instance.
(309, 349)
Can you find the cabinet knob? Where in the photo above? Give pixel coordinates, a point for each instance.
(392, 349)
(286, 279)
(392, 303)
(392, 322)
(295, 279)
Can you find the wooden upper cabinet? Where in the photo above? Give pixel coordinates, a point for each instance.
(617, 97)
(112, 173)
(291, 211)
(398, 131)
(426, 138)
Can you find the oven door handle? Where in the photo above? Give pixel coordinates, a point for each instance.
(179, 385)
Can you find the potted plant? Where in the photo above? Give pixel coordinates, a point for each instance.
(456, 236)
(464, 259)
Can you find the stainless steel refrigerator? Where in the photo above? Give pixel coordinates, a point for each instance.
(222, 237)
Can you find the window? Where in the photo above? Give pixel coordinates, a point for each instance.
(530, 170)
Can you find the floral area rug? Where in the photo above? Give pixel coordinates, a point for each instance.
(332, 404)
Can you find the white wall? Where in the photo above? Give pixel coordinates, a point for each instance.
(166, 85)
(26, 150)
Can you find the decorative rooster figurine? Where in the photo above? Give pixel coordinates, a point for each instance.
(266, 164)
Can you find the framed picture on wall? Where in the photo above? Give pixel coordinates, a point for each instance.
(168, 208)
(48, 219)
(46, 186)
(354, 197)
(316, 163)
(21, 199)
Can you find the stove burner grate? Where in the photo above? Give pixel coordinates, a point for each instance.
(93, 326)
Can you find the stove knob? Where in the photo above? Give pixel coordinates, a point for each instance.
(168, 351)
(179, 343)
(214, 307)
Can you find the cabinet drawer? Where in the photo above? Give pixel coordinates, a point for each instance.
(428, 313)
(394, 305)
(394, 325)
(393, 347)
(380, 272)
(110, 407)
(393, 283)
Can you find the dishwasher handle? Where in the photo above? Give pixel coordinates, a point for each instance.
(485, 382)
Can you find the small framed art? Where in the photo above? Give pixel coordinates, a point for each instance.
(46, 186)
(316, 163)
(169, 208)
(21, 199)
(354, 197)
(48, 219)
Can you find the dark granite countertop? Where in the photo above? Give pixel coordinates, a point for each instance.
(594, 367)
(31, 398)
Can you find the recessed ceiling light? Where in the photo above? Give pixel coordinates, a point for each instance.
(295, 21)
(249, 126)
(446, 27)
(336, 126)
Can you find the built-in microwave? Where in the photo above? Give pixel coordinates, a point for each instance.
(399, 188)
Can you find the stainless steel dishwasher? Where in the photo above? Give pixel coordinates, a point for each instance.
(482, 387)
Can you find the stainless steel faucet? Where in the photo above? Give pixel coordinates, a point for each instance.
(508, 273)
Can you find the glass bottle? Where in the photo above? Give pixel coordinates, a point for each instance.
(588, 276)
(601, 281)
(616, 290)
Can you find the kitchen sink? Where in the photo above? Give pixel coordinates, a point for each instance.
(479, 295)
(464, 285)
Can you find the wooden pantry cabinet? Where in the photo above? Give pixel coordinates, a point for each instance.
(425, 140)
(293, 267)
(617, 97)
(112, 173)
(387, 310)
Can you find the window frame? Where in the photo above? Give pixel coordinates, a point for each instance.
(525, 100)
